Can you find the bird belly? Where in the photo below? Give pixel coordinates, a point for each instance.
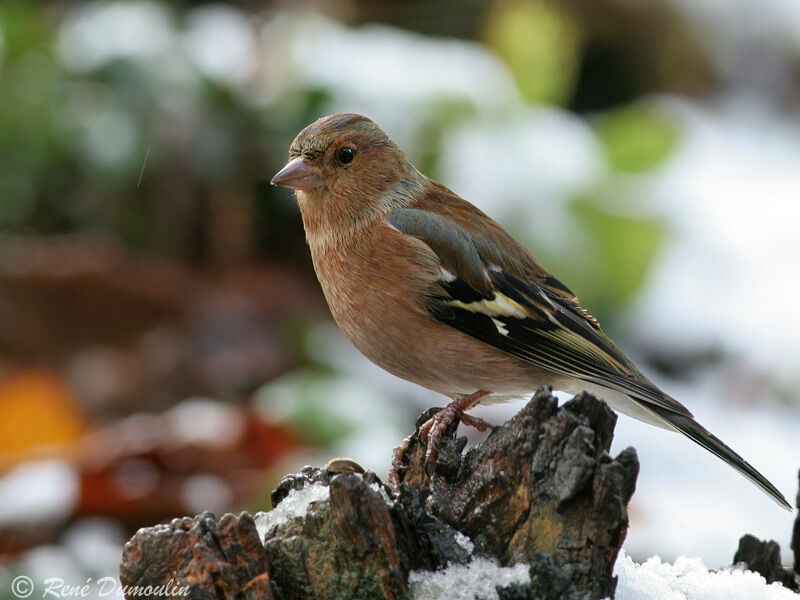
(424, 351)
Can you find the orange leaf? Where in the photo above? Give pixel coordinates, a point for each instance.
(39, 416)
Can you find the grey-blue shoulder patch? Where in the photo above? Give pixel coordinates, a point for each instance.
(454, 247)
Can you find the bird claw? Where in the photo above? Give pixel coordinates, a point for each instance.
(398, 453)
(472, 421)
(431, 432)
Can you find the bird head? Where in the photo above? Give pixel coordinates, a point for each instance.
(344, 155)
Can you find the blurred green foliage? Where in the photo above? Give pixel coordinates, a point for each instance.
(540, 44)
(144, 149)
(621, 249)
(621, 244)
(636, 138)
(30, 134)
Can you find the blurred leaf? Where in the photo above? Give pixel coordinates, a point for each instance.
(37, 412)
(637, 138)
(622, 249)
(539, 41)
(30, 156)
(24, 27)
(312, 105)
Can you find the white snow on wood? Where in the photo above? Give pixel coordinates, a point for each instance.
(294, 506)
(476, 579)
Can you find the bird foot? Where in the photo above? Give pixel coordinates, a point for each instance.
(432, 430)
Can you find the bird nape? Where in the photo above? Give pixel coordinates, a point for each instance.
(430, 288)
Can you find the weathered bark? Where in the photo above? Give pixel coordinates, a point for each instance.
(542, 490)
(216, 559)
(544, 481)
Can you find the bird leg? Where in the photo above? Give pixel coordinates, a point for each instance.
(433, 429)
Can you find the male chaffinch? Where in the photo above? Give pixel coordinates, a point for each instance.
(434, 291)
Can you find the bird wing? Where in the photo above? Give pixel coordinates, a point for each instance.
(493, 290)
(529, 314)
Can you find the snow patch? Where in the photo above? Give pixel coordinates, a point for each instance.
(383, 493)
(729, 193)
(464, 542)
(38, 491)
(392, 75)
(221, 43)
(294, 506)
(688, 578)
(477, 579)
(205, 421)
(93, 34)
(528, 168)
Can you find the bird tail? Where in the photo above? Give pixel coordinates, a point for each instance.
(701, 436)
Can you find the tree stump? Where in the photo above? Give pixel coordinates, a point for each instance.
(537, 510)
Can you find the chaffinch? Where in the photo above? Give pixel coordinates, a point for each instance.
(434, 291)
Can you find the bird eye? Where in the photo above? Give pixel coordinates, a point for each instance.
(346, 155)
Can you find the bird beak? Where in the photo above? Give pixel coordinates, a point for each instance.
(298, 174)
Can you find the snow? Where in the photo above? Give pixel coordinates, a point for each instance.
(547, 155)
(689, 579)
(38, 491)
(294, 506)
(206, 492)
(221, 43)
(475, 580)
(205, 421)
(95, 33)
(96, 544)
(395, 76)
(655, 579)
(464, 542)
(730, 196)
